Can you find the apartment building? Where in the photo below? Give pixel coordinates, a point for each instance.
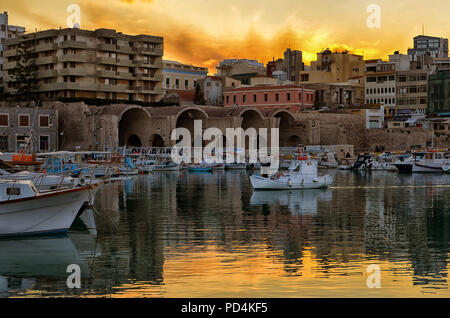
(439, 93)
(412, 92)
(434, 46)
(240, 69)
(102, 63)
(7, 31)
(16, 124)
(380, 85)
(179, 76)
(290, 66)
(290, 97)
(333, 67)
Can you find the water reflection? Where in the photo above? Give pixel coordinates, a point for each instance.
(210, 235)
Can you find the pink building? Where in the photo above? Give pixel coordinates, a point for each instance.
(290, 97)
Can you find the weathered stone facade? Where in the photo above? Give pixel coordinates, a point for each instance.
(83, 127)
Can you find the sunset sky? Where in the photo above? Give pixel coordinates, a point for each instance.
(204, 32)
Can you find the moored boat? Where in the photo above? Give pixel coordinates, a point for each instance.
(303, 174)
(24, 210)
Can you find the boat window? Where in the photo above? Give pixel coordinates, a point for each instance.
(13, 191)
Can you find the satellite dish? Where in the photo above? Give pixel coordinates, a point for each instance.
(76, 26)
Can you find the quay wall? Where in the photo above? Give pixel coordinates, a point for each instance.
(84, 127)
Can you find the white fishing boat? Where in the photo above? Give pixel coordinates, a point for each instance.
(404, 163)
(25, 210)
(345, 164)
(384, 162)
(432, 161)
(303, 174)
(446, 168)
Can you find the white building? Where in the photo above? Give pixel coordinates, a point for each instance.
(375, 117)
(6, 32)
(380, 83)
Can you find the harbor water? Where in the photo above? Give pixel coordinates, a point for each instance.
(181, 234)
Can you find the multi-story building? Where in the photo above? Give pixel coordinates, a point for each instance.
(291, 65)
(435, 46)
(178, 76)
(16, 124)
(380, 84)
(7, 31)
(412, 93)
(439, 93)
(92, 64)
(290, 97)
(240, 69)
(333, 67)
(213, 87)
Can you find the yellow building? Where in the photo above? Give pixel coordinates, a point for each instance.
(333, 67)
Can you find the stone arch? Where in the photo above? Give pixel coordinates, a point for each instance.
(253, 118)
(186, 118)
(134, 141)
(157, 140)
(135, 121)
(286, 126)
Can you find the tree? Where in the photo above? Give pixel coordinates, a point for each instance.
(24, 74)
(198, 98)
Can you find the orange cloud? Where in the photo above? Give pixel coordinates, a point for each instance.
(203, 33)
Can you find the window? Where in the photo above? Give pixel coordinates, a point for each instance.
(228, 99)
(12, 191)
(276, 97)
(244, 97)
(4, 143)
(4, 120)
(167, 82)
(265, 97)
(24, 120)
(44, 121)
(254, 98)
(43, 143)
(234, 99)
(21, 142)
(186, 84)
(288, 96)
(177, 83)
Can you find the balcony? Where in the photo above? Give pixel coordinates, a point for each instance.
(107, 47)
(46, 47)
(107, 74)
(46, 60)
(151, 51)
(107, 60)
(78, 71)
(144, 63)
(9, 53)
(73, 58)
(148, 77)
(126, 62)
(47, 73)
(113, 88)
(73, 44)
(9, 65)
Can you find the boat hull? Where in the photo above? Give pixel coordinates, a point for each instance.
(404, 167)
(261, 183)
(421, 168)
(43, 214)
